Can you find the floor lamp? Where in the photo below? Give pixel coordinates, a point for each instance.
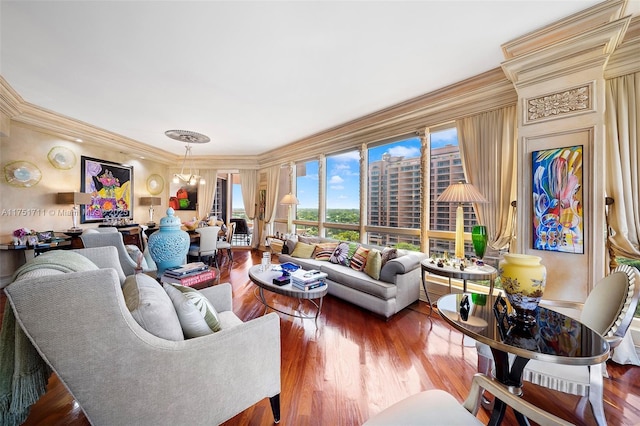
(460, 193)
(289, 200)
(75, 198)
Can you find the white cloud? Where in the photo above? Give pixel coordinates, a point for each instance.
(337, 187)
(404, 151)
(348, 156)
(335, 179)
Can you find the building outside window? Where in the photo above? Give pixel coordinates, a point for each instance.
(394, 194)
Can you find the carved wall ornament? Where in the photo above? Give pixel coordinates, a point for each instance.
(568, 102)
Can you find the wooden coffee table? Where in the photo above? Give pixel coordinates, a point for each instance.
(264, 281)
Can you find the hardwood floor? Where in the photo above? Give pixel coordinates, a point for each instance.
(355, 364)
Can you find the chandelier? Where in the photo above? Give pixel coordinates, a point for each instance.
(188, 137)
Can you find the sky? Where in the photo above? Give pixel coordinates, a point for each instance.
(343, 172)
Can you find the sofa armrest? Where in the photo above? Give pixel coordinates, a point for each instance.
(400, 265)
(104, 257)
(220, 296)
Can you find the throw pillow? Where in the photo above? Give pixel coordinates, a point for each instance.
(197, 315)
(388, 253)
(359, 259)
(303, 250)
(309, 240)
(374, 263)
(136, 255)
(151, 307)
(339, 255)
(352, 250)
(324, 251)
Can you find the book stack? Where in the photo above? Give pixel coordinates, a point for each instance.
(307, 280)
(189, 274)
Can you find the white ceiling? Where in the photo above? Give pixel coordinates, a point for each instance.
(250, 75)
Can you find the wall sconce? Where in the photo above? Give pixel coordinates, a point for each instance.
(461, 193)
(75, 198)
(150, 201)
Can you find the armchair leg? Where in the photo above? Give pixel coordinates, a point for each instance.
(596, 394)
(275, 407)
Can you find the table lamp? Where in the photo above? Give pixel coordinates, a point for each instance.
(460, 193)
(75, 198)
(150, 201)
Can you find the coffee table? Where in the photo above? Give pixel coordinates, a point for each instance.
(264, 281)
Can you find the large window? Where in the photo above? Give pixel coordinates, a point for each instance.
(307, 192)
(343, 188)
(237, 204)
(394, 193)
(445, 169)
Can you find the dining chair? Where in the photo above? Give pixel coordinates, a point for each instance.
(226, 244)
(242, 229)
(207, 245)
(439, 407)
(608, 310)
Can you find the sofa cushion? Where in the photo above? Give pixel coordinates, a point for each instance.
(339, 255)
(359, 281)
(359, 259)
(323, 251)
(303, 250)
(197, 316)
(151, 307)
(309, 240)
(388, 253)
(374, 263)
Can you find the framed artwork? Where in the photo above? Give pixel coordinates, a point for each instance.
(111, 188)
(262, 204)
(183, 196)
(558, 222)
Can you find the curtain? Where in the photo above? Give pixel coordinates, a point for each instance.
(273, 182)
(249, 184)
(622, 156)
(488, 144)
(207, 192)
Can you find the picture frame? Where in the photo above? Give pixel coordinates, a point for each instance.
(111, 187)
(183, 196)
(557, 195)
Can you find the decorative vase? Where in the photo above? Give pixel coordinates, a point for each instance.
(479, 239)
(169, 246)
(523, 279)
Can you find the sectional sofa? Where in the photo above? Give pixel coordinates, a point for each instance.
(387, 282)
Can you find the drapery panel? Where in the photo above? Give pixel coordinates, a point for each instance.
(488, 143)
(622, 156)
(273, 183)
(207, 192)
(249, 184)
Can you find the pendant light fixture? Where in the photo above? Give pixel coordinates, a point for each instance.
(188, 137)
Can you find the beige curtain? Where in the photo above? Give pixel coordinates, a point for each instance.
(488, 144)
(622, 181)
(273, 183)
(249, 184)
(207, 192)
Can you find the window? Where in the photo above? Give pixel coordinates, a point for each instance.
(307, 192)
(394, 193)
(343, 188)
(446, 168)
(237, 204)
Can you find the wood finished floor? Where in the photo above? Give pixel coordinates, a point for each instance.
(354, 364)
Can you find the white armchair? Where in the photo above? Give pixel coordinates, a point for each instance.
(608, 310)
(106, 237)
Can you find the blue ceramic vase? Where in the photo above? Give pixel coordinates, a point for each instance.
(169, 246)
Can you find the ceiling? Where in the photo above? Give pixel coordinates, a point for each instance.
(251, 75)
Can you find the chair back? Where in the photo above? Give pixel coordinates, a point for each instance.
(230, 231)
(611, 305)
(103, 239)
(241, 226)
(208, 239)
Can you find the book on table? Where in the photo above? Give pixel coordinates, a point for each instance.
(184, 270)
(308, 286)
(191, 279)
(305, 277)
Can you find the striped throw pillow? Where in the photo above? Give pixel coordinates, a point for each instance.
(324, 251)
(359, 259)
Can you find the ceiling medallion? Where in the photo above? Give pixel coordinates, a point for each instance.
(188, 137)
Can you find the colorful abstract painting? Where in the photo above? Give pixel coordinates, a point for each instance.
(558, 222)
(110, 185)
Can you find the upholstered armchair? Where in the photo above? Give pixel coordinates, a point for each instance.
(608, 310)
(106, 237)
(119, 373)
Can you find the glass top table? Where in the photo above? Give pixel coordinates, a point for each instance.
(554, 338)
